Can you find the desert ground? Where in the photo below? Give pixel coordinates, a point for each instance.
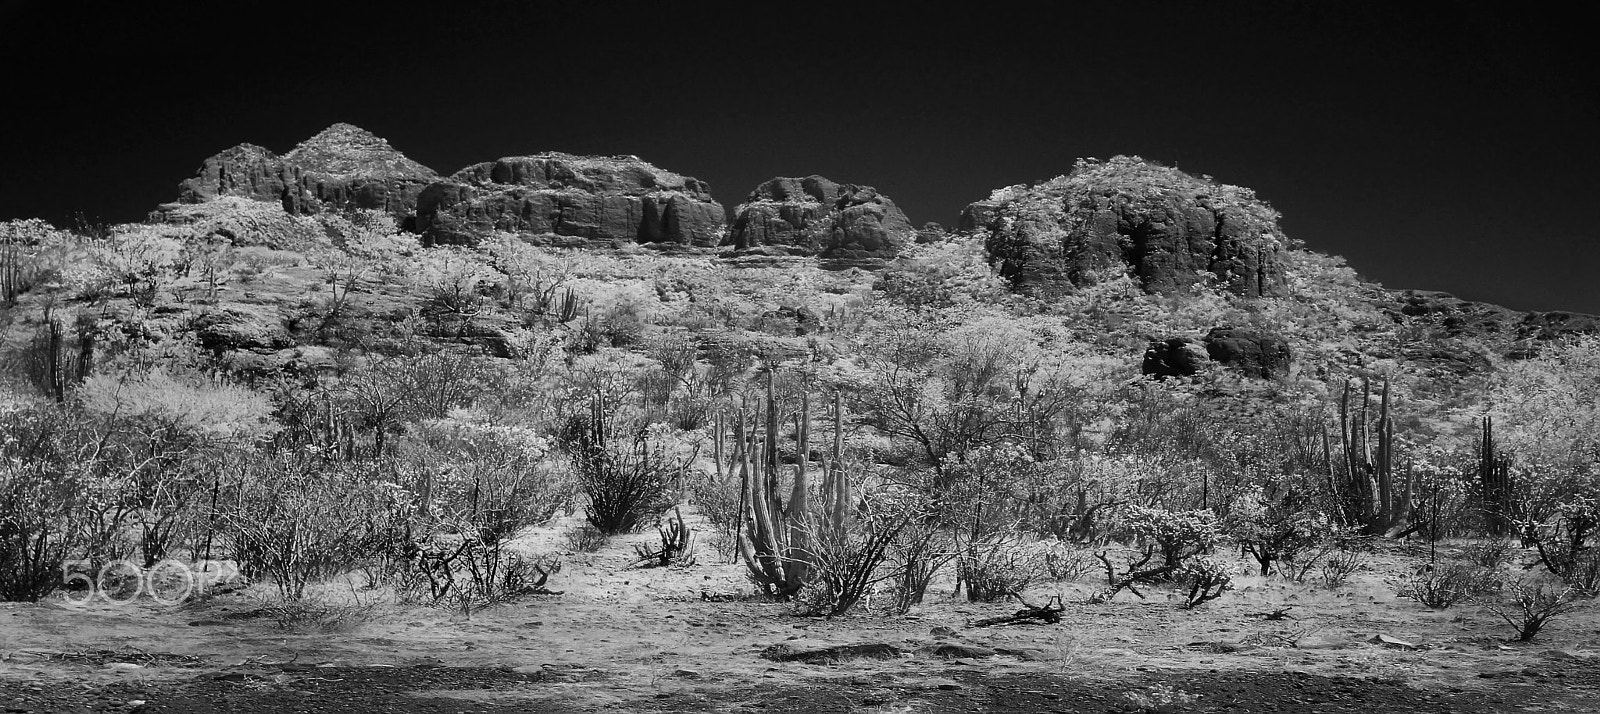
(687, 639)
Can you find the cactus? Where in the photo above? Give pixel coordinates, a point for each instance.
(1494, 483)
(567, 309)
(10, 270)
(1367, 484)
(778, 546)
(677, 544)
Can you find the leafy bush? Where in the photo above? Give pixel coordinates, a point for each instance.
(1166, 542)
(1207, 579)
(1276, 530)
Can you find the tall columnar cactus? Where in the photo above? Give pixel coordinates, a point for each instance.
(1494, 483)
(10, 269)
(777, 543)
(1374, 496)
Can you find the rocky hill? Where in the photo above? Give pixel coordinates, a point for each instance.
(843, 224)
(1166, 228)
(562, 200)
(1170, 274)
(342, 168)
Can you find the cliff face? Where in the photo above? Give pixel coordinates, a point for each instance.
(563, 200)
(1165, 228)
(843, 223)
(342, 168)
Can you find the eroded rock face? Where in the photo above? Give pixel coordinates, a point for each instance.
(1166, 229)
(812, 216)
(342, 168)
(572, 201)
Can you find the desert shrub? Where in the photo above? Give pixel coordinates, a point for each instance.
(245, 222)
(38, 507)
(1563, 544)
(1286, 529)
(1339, 566)
(586, 538)
(1439, 587)
(1489, 554)
(1160, 698)
(298, 519)
(628, 478)
(1530, 607)
(1164, 543)
(1064, 561)
(845, 552)
(999, 566)
(922, 550)
(60, 499)
(491, 477)
(717, 501)
(944, 274)
(469, 570)
(1206, 577)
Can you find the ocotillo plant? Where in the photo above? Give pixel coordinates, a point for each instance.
(1365, 481)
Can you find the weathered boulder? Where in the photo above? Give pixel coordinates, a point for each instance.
(342, 168)
(1166, 229)
(846, 224)
(1248, 352)
(1176, 357)
(572, 201)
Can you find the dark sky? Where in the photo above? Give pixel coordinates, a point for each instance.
(1452, 150)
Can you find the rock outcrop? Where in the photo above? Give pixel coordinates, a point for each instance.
(1166, 229)
(1250, 353)
(1455, 317)
(845, 224)
(1175, 357)
(572, 201)
(342, 168)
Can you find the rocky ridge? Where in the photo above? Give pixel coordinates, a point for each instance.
(845, 224)
(344, 167)
(562, 200)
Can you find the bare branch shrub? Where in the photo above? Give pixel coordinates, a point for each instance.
(1532, 607)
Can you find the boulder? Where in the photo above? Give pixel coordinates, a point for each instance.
(1168, 230)
(845, 224)
(1175, 357)
(562, 200)
(342, 168)
(1250, 353)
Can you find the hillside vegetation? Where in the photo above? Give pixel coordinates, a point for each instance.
(316, 393)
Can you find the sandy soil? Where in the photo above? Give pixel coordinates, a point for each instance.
(625, 639)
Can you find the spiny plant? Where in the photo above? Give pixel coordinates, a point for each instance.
(1373, 496)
